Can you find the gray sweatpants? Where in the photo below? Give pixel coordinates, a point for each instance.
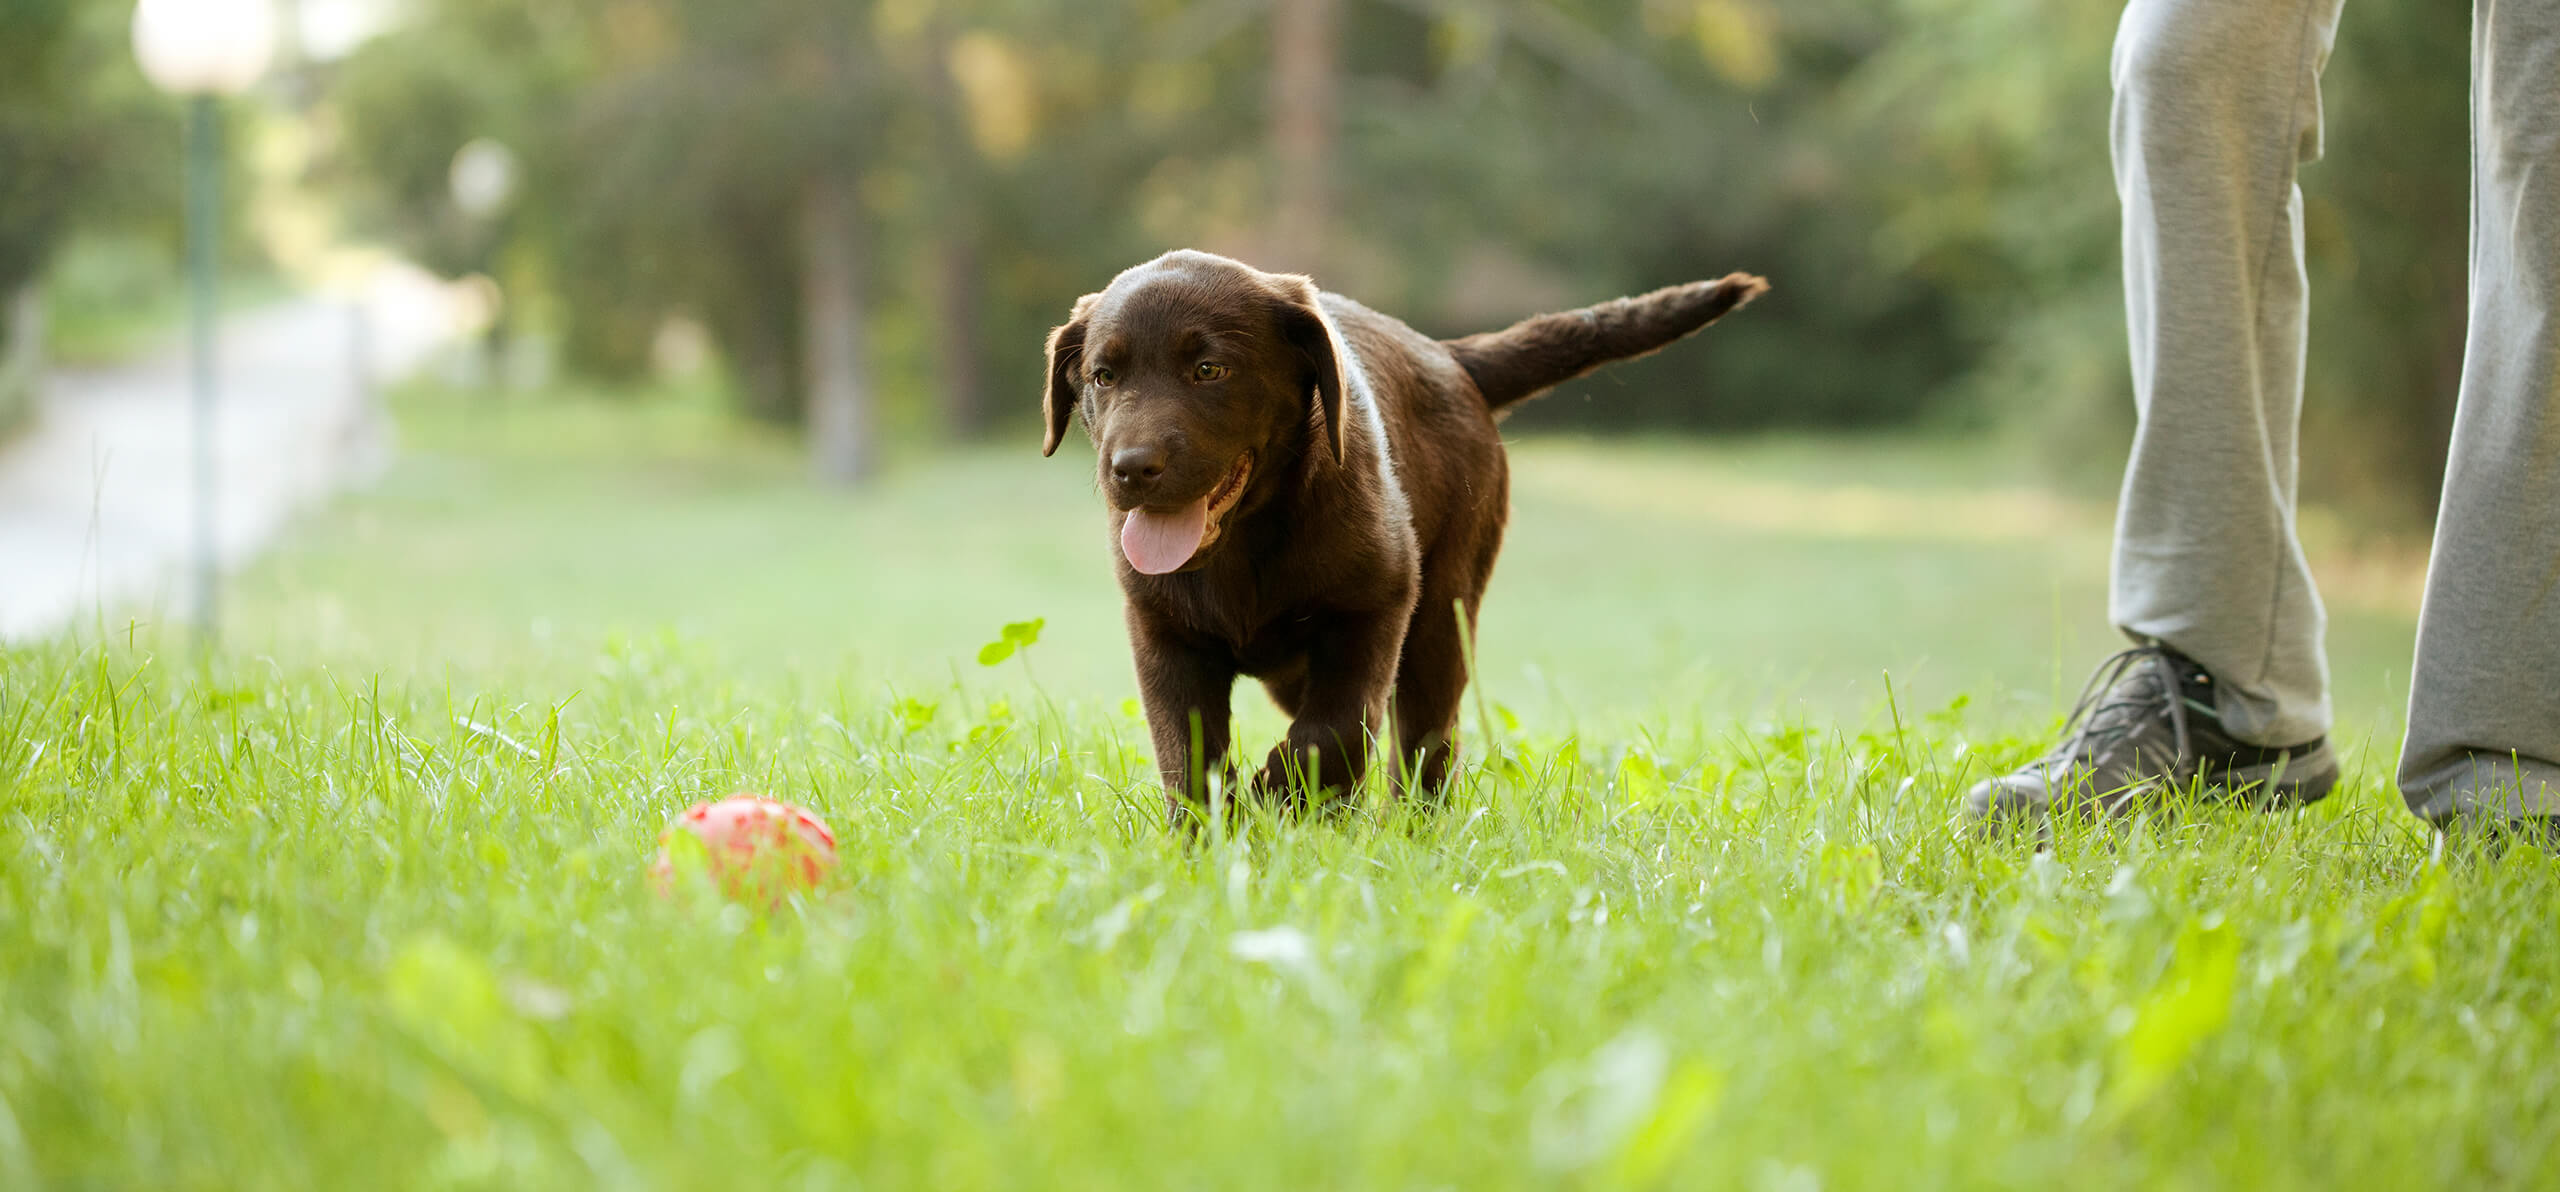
(2217, 107)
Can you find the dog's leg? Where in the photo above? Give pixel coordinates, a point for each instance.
(1430, 680)
(1343, 705)
(1186, 692)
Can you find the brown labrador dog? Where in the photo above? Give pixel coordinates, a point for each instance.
(1311, 493)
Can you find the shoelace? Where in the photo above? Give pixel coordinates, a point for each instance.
(2091, 727)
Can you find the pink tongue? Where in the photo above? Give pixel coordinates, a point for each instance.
(1160, 542)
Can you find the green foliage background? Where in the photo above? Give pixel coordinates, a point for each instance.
(1925, 180)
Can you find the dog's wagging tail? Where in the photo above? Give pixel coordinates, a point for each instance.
(1310, 493)
(1537, 354)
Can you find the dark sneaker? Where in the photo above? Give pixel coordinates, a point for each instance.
(2146, 723)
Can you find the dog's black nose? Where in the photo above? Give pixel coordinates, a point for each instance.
(1137, 466)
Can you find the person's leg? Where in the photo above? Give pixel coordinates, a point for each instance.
(2484, 706)
(2217, 106)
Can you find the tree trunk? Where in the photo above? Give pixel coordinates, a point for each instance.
(956, 332)
(1305, 65)
(751, 286)
(21, 353)
(836, 359)
(953, 282)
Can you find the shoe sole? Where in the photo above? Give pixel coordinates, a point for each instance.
(2288, 783)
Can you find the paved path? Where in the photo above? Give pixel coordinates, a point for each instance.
(96, 499)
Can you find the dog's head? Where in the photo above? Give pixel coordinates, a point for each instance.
(1190, 372)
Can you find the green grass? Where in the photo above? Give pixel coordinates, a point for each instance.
(360, 900)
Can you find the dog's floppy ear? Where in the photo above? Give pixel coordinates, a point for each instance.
(1066, 362)
(1331, 369)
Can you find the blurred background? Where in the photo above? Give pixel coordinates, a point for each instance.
(717, 321)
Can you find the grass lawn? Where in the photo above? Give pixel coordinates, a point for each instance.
(360, 901)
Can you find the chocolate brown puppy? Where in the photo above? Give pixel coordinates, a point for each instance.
(1311, 493)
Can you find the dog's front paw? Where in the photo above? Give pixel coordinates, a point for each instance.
(1298, 780)
(1185, 818)
(1189, 814)
(1280, 776)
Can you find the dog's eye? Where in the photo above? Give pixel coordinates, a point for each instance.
(1104, 377)
(1209, 370)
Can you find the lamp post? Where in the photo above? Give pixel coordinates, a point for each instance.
(202, 50)
(482, 179)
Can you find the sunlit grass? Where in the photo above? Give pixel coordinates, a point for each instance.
(362, 902)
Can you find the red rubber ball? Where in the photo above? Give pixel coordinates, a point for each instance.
(760, 849)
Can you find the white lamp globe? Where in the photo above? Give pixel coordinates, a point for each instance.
(204, 47)
(483, 177)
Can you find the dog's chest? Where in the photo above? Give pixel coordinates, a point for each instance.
(1258, 631)
(1275, 591)
(1237, 619)
(1278, 646)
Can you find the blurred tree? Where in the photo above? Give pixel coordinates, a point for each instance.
(2387, 222)
(1983, 126)
(405, 106)
(831, 299)
(1544, 154)
(683, 155)
(954, 288)
(41, 154)
(1985, 123)
(1925, 180)
(1305, 79)
(83, 143)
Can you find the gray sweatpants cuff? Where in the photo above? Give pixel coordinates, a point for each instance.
(2484, 787)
